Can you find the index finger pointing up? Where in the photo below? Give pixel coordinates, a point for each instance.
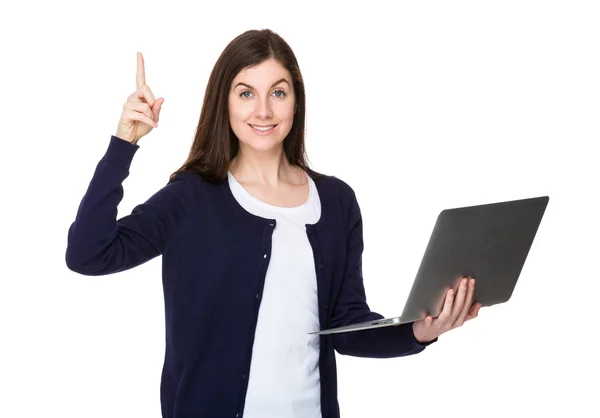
(140, 78)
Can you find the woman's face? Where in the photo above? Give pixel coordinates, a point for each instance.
(262, 95)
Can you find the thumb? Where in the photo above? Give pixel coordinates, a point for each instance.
(156, 108)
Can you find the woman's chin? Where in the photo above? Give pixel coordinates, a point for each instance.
(263, 144)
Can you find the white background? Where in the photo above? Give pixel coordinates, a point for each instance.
(419, 106)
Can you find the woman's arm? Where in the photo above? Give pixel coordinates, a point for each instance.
(351, 307)
(100, 244)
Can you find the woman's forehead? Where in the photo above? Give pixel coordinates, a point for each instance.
(263, 74)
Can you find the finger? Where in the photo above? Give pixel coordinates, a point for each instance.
(131, 114)
(428, 321)
(444, 316)
(460, 298)
(148, 96)
(143, 95)
(473, 312)
(468, 301)
(157, 107)
(140, 107)
(140, 78)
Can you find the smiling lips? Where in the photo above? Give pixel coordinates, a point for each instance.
(261, 130)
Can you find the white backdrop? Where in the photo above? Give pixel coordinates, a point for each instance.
(440, 104)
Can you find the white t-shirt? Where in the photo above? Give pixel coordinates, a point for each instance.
(284, 380)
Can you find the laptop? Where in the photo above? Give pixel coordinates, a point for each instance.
(488, 242)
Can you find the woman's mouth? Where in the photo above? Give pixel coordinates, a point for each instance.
(262, 130)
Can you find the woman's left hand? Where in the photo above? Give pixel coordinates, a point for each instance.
(455, 312)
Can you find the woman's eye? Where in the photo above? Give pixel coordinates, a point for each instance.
(242, 94)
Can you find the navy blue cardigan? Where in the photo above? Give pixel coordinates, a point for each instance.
(214, 260)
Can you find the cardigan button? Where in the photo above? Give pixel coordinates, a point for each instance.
(321, 266)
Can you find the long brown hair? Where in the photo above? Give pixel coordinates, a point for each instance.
(215, 144)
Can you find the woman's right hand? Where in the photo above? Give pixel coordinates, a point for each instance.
(141, 110)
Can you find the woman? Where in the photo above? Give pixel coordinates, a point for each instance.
(258, 249)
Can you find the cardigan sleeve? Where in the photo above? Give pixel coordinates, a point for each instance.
(351, 307)
(98, 243)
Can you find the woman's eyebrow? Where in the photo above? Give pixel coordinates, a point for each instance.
(272, 85)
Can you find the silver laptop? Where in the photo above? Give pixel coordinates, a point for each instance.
(488, 242)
